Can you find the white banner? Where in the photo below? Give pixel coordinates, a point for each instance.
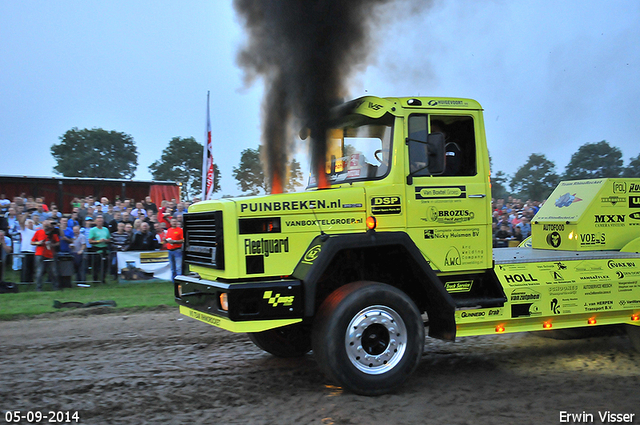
(143, 265)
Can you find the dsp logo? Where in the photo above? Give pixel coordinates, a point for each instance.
(386, 205)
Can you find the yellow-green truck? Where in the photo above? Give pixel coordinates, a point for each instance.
(400, 242)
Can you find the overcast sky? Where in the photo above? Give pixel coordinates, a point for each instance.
(551, 75)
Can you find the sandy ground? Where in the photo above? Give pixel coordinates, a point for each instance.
(163, 368)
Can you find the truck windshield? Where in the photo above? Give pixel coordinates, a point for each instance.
(357, 152)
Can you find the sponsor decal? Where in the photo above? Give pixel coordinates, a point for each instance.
(452, 258)
(386, 205)
(278, 300)
(154, 257)
(555, 306)
(324, 222)
(265, 247)
(590, 239)
(553, 227)
(289, 205)
(609, 220)
(598, 306)
(448, 216)
(634, 201)
(441, 192)
(457, 103)
(520, 278)
(204, 317)
(585, 266)
(374, 106)
(613, 264)
(473, 314)
(619, 187)
(352, 206)
(311, 255)
(613, 200)
(461, 286)
(451, 234)
(554, 239)
(628, 302)
(524, 303)
(634, 188)
(566, 200)
(636, 217)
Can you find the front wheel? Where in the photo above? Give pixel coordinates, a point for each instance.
(368, 337)
(289, 341)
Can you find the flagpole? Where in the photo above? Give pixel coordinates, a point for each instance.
(205, 153)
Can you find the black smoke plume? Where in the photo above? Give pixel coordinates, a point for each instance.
(304, 50)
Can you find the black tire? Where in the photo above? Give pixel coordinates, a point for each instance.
(288, 341)
(634, 336)
(355, 332)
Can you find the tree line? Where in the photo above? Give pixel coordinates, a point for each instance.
(98, 153)
(110, 154)
(537, 178)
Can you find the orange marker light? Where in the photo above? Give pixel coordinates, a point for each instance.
(635, 318)
(499, 328)
(547, 325)
(592, 321)
(224, 301)
(371, 223)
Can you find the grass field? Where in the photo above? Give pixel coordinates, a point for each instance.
(28, 302)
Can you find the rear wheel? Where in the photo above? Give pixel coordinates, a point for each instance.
(368, 337)
(289, 341)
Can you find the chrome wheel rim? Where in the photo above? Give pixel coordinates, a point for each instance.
(376, 340)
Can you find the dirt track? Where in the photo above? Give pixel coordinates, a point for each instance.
(160, 367)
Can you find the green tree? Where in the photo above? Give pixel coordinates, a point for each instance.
(633, 169)
(594, 161)
(536, 179)
(251, 176)
(499, 185)
(295, 177)
(181, 161)
(95, 153)
(249, 172)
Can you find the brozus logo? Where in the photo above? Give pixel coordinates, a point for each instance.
(449, 216)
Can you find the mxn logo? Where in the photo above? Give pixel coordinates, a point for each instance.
(609, 218)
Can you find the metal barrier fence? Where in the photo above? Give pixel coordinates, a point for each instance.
(90, 267)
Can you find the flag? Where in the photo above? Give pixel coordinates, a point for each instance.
(207, 160)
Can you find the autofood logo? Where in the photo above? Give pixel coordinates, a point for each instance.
(449, 216)
(554, 239)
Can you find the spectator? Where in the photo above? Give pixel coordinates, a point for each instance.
(120, 241)
(104, 206)
(36, 221)
(99, 238)
(112, 225)
(138, 211)
(74, 220)
(128, 227)
(40, 213)
(5, 248)
(126, 217)
(46, 240)
(78, 247)
(502, 236)
(159, 232)
(175, 240)
(179, 210)
(143, 240)
(149, 205)
(525, 227)
(66, 236)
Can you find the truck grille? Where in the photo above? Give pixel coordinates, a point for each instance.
(204, 241)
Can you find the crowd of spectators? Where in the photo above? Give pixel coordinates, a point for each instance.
(512, 220)
(91, 233)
